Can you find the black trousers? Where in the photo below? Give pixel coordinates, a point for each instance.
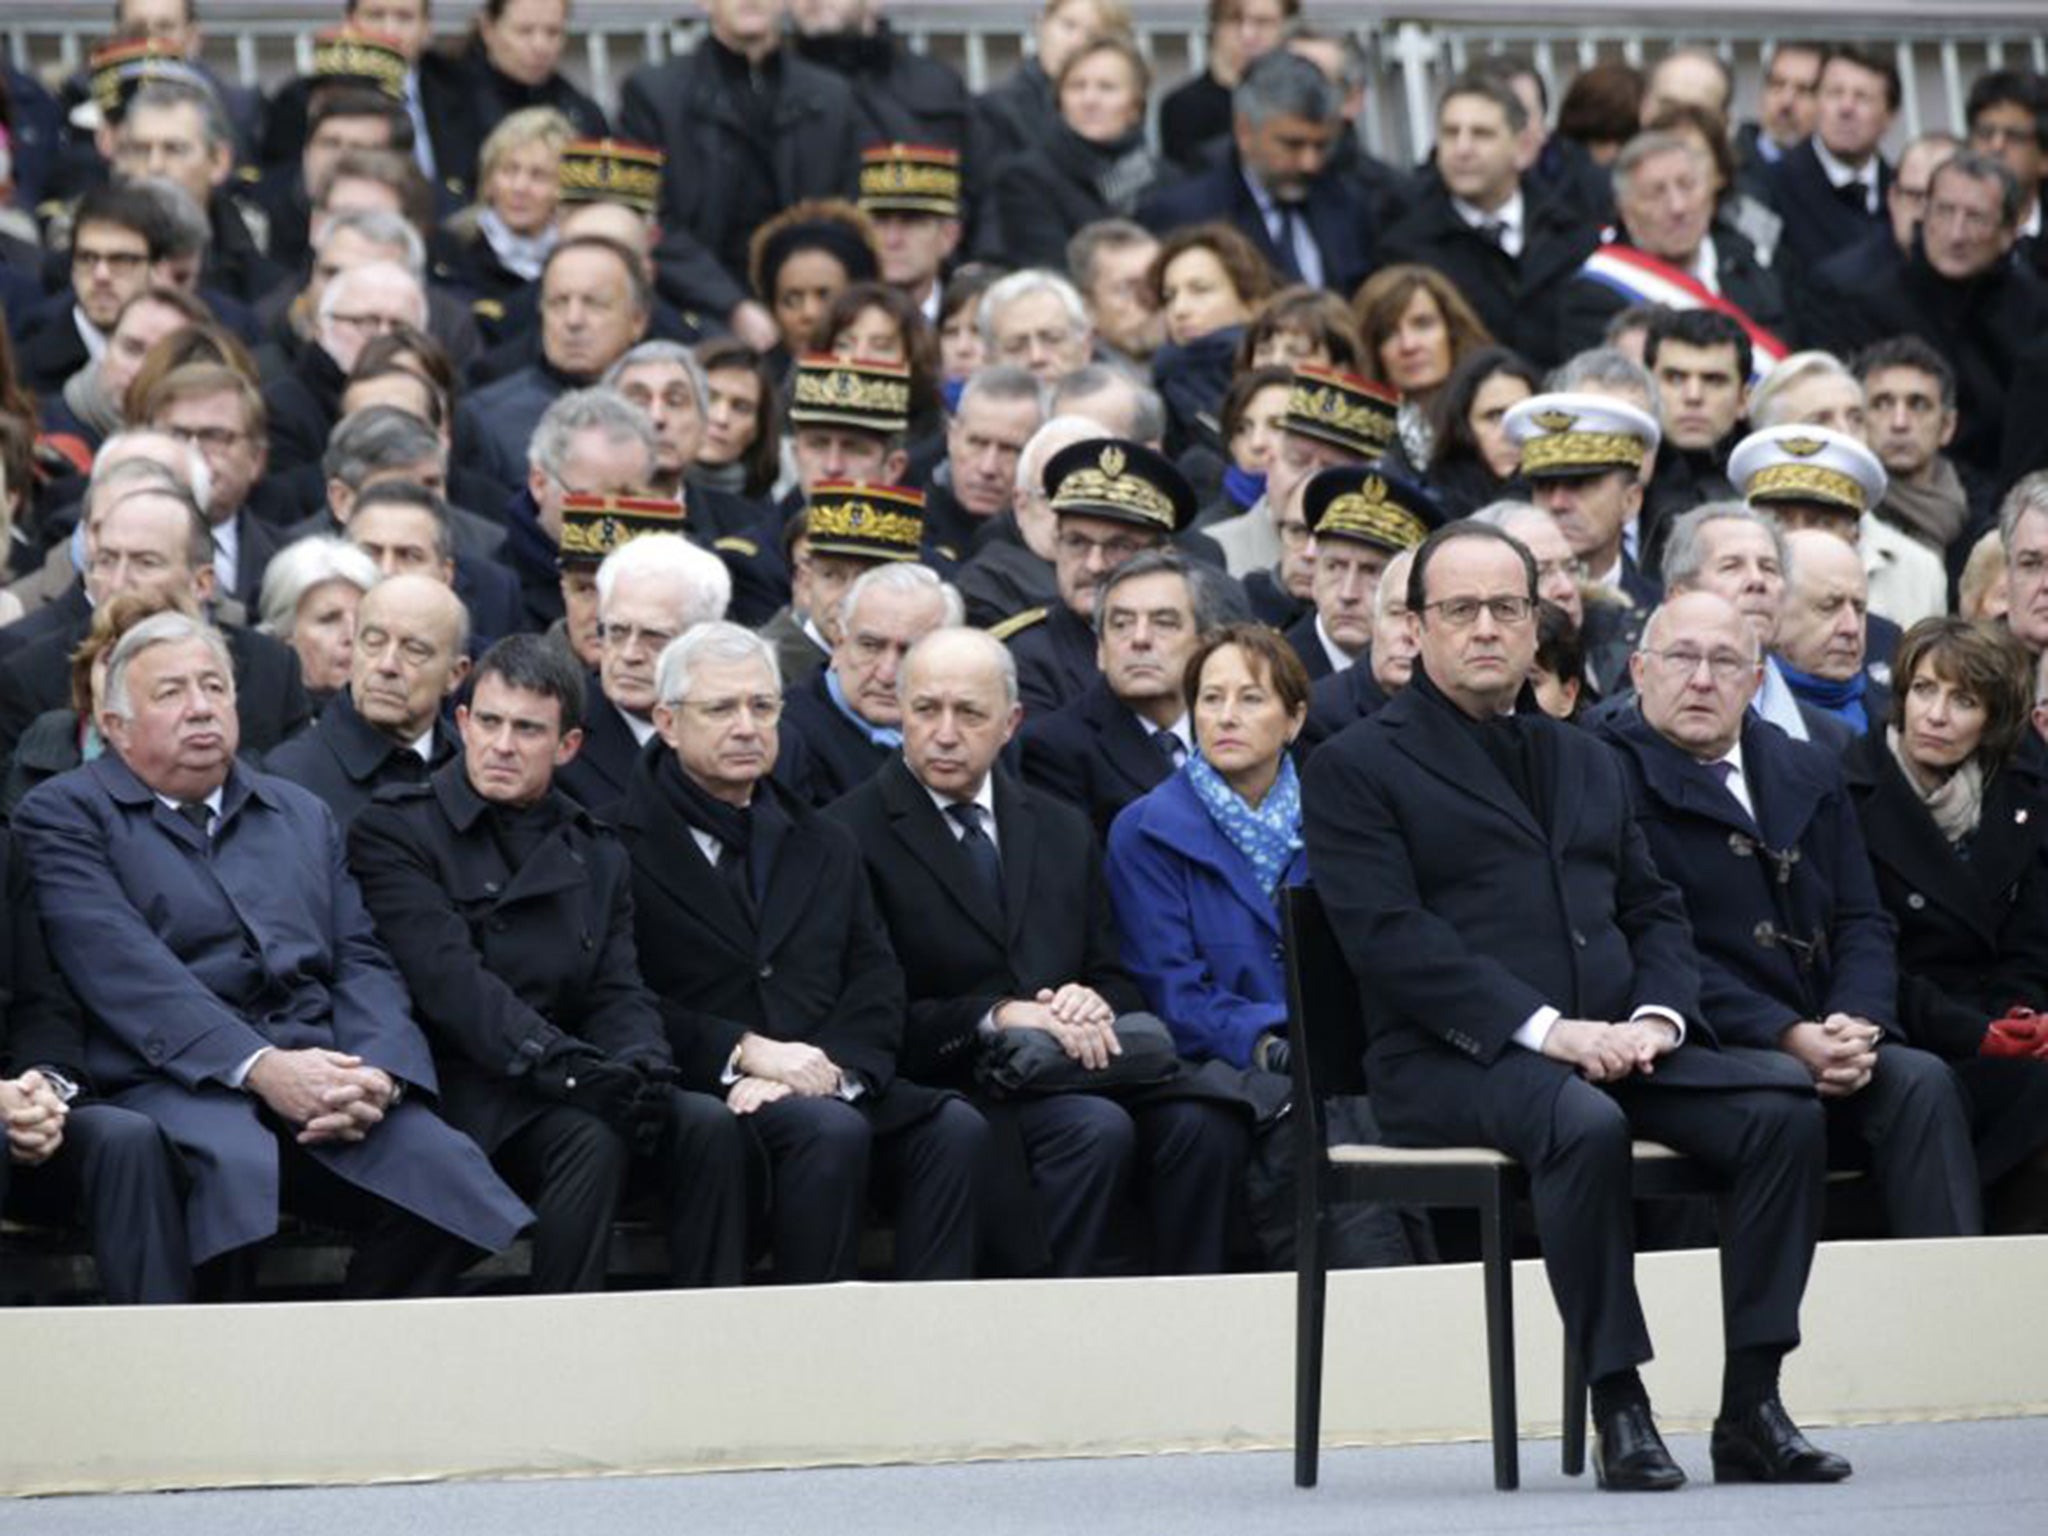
(576, 1172)
(396, 1253)
(119, 1178)
(1194, 1153)
(1767, 1145)
(1912, 1125)
(822, 1158)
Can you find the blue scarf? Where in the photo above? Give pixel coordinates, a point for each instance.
(1843, 700)
(1244, 487)
(1269, 835)
(885, 736)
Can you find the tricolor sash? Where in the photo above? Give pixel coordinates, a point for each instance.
(1645, 279)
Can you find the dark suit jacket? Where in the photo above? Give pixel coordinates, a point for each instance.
(811, 963)
(960, 956)
(1055, 659)
(1817, 222)
(255, 938)
(504, 965)
(1308, 645)
(1093, 754)
(1728, 867)
(345, 760)
(1515, 295)
(683, 106)
(1972, 931)
(840, 753)
(270, 700)
(1338, 210)
(39, 1021)
(1339, 700)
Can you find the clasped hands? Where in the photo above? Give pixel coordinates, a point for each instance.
(329, 1095)
(775, 1069)
(1607, 1053)
(34, 1117)
(1839, 1050)
(1076, 1016)
(629, 1094)
(2021, 1033)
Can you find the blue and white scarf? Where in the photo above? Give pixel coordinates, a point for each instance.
(1268, 834)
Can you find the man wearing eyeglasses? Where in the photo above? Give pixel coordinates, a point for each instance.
(221, 413)
(1113, 500)
(1761, 837)
(760, 937)
(358, 304)
(111, 254)
(1534, 989)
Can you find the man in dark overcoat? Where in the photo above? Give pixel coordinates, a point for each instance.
(759, 937)
(1533, 987)
(510, 914)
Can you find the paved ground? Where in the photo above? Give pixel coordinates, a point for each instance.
(1985, 1479)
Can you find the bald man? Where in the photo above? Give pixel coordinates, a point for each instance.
(387, 726)
(1820, 645)
(1761, 838)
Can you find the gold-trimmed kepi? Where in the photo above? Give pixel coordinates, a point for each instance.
(1573, 436)
(910, 178)
(1369, 506)
(612, 171)
(865, 522)
(1343, 410)
(1122, 481)
(594, 526)
(368, 58)
(863, 393)
(1797, 462)
(119, 69)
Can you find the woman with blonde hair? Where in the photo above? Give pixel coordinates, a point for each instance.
(505, 235)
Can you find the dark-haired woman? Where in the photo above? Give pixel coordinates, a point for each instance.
(1956, 825)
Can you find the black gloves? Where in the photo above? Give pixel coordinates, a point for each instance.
(1272, 1052)
(630, 1097)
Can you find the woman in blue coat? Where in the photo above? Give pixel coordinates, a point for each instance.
(1196, 865)
(1195, 869)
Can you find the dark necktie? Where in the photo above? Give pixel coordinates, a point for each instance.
(1290, 225)
(1724, 775)
(981, 853)
(1169, 747)
(1495, 233)
(1855, 195)
(200, 815)
(732, 871)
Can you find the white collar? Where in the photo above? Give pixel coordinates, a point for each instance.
(1839, 172)
(1340, 659)
(985, 797)
(423, 748)
(1178, 730)
(643, 730)
(94, 338)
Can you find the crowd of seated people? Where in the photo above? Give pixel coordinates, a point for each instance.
(757, 657)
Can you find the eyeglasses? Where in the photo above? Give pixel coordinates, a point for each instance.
(764, 708)
(1079, 547)
(120, 263)
(206, 439)
(1463, 612)
(1722, 666)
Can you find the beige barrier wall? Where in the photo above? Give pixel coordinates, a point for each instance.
(202, 1397)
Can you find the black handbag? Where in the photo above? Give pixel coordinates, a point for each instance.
(1020, 1063)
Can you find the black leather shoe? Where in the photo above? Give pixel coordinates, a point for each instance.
(1763, 1445)
(1629, 1454)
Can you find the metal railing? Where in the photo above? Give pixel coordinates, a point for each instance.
(1415, 45)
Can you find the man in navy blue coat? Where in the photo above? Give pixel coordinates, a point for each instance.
(1760, 836)
(235, 991)
(1534, 988)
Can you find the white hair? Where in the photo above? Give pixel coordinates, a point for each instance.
(136, 446)
(905, 577)
(303, 565)
(1796, 369)
(1021, 285)
(718, 643)
(349, 277)
(1060, 432)
(167, 628)
(702, 585)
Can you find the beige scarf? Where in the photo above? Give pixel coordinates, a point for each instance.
(1956, 802)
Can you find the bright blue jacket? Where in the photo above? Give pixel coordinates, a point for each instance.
(1200, 936)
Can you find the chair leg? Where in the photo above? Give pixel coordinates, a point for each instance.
(1497, 1257)
(1574, 1448)
(1310, 1293)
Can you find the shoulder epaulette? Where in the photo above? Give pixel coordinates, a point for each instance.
(1017, 623)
